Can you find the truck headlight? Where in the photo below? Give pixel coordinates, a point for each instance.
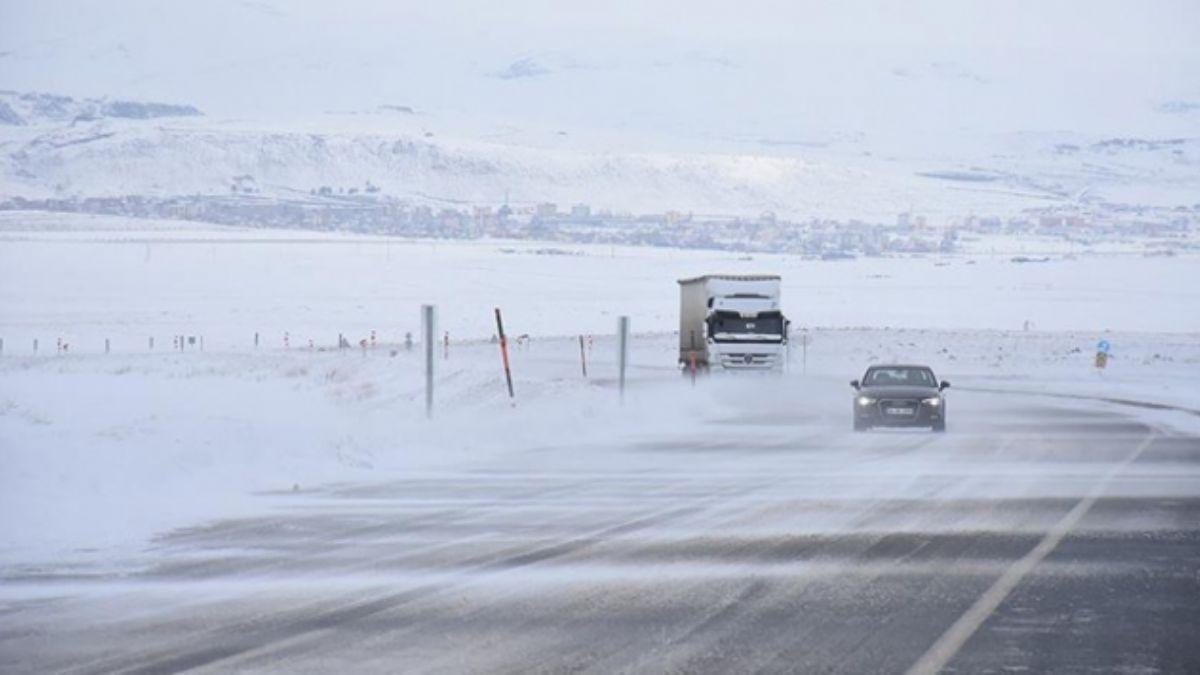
(865, 400)
(933, 402)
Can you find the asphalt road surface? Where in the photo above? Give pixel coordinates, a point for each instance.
(1037, 535)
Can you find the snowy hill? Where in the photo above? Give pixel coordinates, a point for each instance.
(18, 109)
(57, 146)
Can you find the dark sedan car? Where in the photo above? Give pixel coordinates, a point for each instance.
(899, 396)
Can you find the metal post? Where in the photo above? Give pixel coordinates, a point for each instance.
(804, 358)
(35, 345)
(256, 340)
(150, 342)
(622, 352)
(504, 352)
(106, 346)
(428, 318)
(582, 356)
(1, 345)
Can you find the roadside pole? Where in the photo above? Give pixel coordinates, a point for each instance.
(804, 344)
(428, 318)
(504, 352)
(622, 352)
(582, 356)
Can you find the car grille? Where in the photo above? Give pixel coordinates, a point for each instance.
(887, 404)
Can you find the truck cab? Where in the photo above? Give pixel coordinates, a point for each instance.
(733, 322)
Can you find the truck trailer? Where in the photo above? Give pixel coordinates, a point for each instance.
(731, 321)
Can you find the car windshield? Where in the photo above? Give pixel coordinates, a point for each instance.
(915, 377)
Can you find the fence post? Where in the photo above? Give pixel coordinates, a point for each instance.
(34, 345)
(428, 317)
(150, 343)
(107, 348)
(804, 351)
(622, 352)
(256, 340)
(582, 357)
(504, 352)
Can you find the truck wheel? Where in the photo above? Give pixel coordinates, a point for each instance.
(939, 426)
(861, 426)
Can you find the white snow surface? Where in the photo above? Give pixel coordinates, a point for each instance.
(101, 452)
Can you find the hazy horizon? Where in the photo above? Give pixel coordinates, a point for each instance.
(781, 75)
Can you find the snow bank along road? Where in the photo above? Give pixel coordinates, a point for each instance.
(1038, 534)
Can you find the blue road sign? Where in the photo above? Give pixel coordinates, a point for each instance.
(1103, 346)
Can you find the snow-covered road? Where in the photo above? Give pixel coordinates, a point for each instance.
(764, 536)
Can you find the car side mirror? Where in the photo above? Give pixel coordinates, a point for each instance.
(944, 385)
(854, 383)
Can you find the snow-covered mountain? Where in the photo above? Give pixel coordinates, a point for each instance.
(62, 147)
(19, 109)
(845, 110)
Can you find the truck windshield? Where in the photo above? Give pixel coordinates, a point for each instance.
(731, 325)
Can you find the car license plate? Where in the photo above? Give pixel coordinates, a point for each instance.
(899, 411)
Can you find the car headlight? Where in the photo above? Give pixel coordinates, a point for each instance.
(935, 401)
(865, 400)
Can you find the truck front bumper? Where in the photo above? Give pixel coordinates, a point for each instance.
(753, 356)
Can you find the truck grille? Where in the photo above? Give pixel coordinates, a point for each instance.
(740, 360)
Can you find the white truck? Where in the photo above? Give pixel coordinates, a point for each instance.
(732, 322)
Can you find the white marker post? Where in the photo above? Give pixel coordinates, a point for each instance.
(622, 352)
(428, 319)
(804, 343)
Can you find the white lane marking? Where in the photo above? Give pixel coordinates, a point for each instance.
(948, 645)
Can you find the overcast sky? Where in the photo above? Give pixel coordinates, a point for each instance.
(790, 71)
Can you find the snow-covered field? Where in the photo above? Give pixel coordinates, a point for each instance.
(102, 451)
(128, 280)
